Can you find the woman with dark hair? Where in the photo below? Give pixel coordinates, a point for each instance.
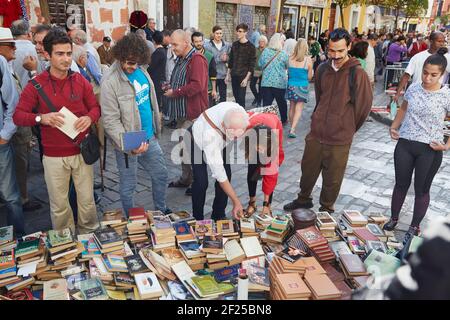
(359, 51)
(264, 152)
(418, 129)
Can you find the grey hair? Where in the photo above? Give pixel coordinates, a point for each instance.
(183, 34)
(20, 28)
(80, 35)
(263, 37)
(230, 116)
(77, 52)
(275, 42)
(141, 33)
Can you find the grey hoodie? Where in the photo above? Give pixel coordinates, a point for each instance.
(221, 66)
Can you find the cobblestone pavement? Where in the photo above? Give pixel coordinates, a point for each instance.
(367, 186)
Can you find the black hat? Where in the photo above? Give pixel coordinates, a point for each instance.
(107, 39)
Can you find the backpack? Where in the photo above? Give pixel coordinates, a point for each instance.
(351, 81)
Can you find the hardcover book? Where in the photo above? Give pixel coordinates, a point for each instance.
(132, 140)
(225, 226)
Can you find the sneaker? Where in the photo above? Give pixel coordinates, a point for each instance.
(297, 205)
(412, 231)
(390, 225)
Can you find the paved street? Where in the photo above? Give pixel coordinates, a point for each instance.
(367, 186)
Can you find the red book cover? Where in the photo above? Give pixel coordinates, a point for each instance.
(364, 234)
(24, 294)
(312, 237)
(136, 213)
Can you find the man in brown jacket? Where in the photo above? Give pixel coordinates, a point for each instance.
(343, 102)
(105, 53)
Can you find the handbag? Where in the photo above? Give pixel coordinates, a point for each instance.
(89, 146)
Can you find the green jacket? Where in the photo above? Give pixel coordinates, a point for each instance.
(212, 70)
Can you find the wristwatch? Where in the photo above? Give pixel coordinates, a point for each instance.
(38, 119)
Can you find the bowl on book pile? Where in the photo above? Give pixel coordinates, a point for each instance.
(303, 218)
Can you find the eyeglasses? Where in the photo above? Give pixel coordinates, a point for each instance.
(8, 44)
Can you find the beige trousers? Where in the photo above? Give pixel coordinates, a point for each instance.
(57, 172)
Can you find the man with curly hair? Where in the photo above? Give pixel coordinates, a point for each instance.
(128, 102)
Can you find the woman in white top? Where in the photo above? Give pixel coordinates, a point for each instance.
(420, 140)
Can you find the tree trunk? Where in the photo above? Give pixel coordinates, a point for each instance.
(341, 9)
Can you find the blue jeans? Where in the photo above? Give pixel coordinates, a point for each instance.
(154, 165)
(9, 190)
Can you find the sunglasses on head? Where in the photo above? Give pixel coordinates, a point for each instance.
(131, 63)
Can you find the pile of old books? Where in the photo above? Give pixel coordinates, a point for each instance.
(108, 241)
(162, 233)
(137, 225)
(317, 243)
(277, 231)
(248, 227)
(62, 247)
(213, 247)
(289, 286)
(193, 255)
(184, 231)
(327, 226)
(228, 229)
(115, 220)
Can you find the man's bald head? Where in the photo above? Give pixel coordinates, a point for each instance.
(79, 37)
(181, 43)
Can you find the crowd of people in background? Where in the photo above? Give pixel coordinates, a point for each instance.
(179, 79)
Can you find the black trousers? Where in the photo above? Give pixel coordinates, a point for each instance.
(252, 180)
(238, 91)
(221, 87)
(269, 93)
(200, 186)
(419, 157)
(256, 92)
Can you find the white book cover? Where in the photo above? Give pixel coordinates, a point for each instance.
(183, 271)
(69, 120)
(148, 284)
(252, 247)
(233, 250)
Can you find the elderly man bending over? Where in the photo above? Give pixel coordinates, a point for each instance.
(214, 129)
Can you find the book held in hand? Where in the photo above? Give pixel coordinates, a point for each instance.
(69, 123)
(132, 140)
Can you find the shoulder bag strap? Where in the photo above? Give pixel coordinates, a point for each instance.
(214, 126)
(44, 97)
(270, 61)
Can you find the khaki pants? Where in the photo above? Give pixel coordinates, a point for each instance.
(57, 171)
(331, 161)
(186, 169)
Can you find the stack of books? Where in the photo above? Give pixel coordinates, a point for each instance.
(7, 241)
(193, 255)
(213, 246)
(137, 225)
(114, 263)
(8, 268)
(277, 230)
(63, 249)
(108, 241)
(262, 221)
(364, 234)
(248, 227)
(181, 216)
(327, 226)
(90, 247)
(322, 287)
(355, 218)
(352, 266)
(204, 227)
(115, 220)
(289, 286)
(258, 278)
(163, 233)
(281, 266)
(184, 231)
(317, 243)
(378, 218)
(226, 229)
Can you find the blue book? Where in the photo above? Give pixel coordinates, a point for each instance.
(5, 271)
(132, 140)
(226, 273)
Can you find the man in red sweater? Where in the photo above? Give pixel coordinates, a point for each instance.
(189, 92)
(62, 159)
